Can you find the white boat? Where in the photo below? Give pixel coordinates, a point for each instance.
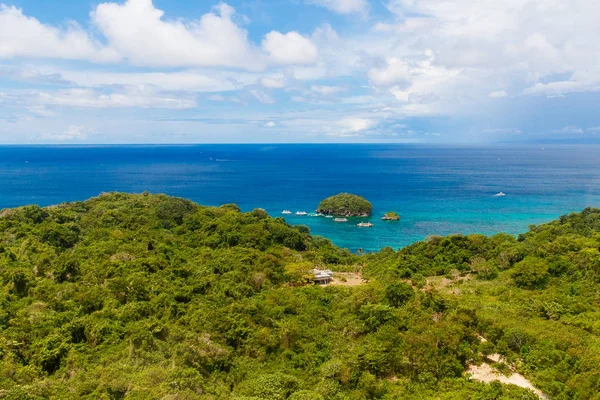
(341, 220)
(501, 194)
(329, 216)
(313, 215)
(286, 212)
(365, 224)
(301, 213)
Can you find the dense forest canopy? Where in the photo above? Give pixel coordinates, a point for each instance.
(345, 204)
(153, 297)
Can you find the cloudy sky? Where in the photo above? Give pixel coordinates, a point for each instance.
(194, 71)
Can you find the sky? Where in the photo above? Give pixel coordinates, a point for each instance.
(299, 71)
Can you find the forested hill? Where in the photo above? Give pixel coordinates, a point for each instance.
(153, 297)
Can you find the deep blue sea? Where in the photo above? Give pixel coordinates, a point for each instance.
(437, 190)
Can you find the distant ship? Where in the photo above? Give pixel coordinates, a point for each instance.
(341, 220)
(365, 224)
(286, 212)
(501, 194)
(301, 213)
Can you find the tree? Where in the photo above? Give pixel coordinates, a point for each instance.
(398, 294)
(531, 273)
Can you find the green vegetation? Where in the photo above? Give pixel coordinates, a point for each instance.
(391, 216)
(345, 204)
(154, 297)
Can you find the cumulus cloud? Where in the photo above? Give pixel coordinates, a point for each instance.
(23, 36)
(354, 125)
(395, 72)
(343, 6)
(512, 39)
(270, 124)
(289, 48)
(427, 58)
(138, 32)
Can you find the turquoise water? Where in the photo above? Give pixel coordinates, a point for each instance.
(437, 190)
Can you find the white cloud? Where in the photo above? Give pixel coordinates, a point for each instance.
(273, 82)
(326, 90)
(23, 36)
(138, 32)
(270, 124)
(289, 48)
(594, 129)
(262, 97)
(395, 72)
(502, 130)
(41, 111)
(354, 125)
(189, 81)
(559, 88)
(498, 94)
(452, 57)
(569, 130)
(128, 97)
(72, 133)
(343, 6)
(307, 73)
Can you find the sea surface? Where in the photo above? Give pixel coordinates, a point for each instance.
(436, 190)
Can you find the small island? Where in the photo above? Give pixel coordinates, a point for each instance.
(391, 216)
(346, 205)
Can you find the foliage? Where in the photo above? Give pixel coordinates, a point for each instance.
(345, 204)
(531, 272)
(534, 297)
(148, 296)
(391, 216)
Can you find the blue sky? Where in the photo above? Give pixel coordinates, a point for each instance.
(430, 71)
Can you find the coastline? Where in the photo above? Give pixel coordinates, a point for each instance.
(436, 189)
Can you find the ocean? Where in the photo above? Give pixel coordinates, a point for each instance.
(436, 190)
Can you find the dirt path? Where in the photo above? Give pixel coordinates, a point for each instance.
(485, 373)
(347, 279)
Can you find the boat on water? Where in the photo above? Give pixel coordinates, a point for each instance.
(365, 224)
(313, 215)
(501, 194)
(286, 212)
(301, 213)
(341, 220)
(329, 216)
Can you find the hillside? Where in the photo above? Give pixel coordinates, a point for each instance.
(153, 297)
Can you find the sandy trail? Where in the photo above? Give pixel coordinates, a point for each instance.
(347, 279)
(485, 373)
